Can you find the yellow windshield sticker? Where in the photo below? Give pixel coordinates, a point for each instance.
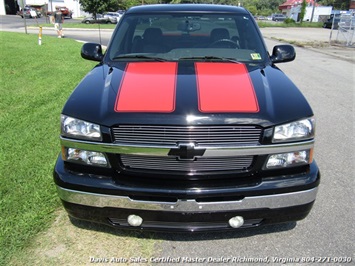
(255, 56)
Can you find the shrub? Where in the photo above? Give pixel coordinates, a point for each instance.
(289, 21)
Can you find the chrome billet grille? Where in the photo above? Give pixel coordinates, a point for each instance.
(199, 165)
(200, 135)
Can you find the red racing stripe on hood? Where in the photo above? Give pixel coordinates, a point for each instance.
(225, 87)
(147, 87)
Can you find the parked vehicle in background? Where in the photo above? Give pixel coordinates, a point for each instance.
(121, 12)
(29, 12)
(98, 19)
(278, 17)
(113, 17)
(66, 12)
(329, 23)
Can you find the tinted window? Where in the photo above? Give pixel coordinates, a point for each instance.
(176, 36)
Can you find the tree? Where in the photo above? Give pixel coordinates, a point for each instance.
(260, 7)
(99, 6)
(303, 10)
(336, 4)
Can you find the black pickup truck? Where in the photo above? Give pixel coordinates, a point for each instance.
(186, 124)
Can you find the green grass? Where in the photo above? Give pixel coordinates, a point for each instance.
(35, 82)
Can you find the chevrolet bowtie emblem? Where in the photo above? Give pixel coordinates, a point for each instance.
(186, 151)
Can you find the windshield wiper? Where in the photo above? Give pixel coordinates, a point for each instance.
(145, 57)
(210, 58)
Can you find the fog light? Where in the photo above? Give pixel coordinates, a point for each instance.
(85, 157)
(236, 221)
(134, 220)
(289, 159)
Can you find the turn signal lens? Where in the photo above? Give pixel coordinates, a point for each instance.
(85, 157)
(290, 159)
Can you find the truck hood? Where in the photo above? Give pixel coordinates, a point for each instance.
(190, 93)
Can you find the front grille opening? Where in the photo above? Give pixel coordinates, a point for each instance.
(198, 165)
(173, 181)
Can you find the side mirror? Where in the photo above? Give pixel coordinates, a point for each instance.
(283, 53)
(92, 51)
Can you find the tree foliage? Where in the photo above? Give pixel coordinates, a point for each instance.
(303, 10)
(336, 4)
(99, 6)
(256, 7)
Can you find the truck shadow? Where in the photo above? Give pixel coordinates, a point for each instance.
(194, 236)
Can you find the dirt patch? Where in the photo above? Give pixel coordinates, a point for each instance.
(84, 244)
(314, 44)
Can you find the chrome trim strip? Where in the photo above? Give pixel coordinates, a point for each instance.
(164, 150)
(268, 201)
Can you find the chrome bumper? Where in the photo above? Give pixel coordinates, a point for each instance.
(248, 203)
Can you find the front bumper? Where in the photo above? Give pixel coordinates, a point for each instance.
(103, 200)
(275, 201)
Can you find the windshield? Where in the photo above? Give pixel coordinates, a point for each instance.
(188, 36)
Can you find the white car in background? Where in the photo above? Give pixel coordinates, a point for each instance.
(113, 17)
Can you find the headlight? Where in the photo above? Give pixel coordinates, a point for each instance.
(76, 128)
(298, 130)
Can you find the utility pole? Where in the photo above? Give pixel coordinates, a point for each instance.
(314, 6)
